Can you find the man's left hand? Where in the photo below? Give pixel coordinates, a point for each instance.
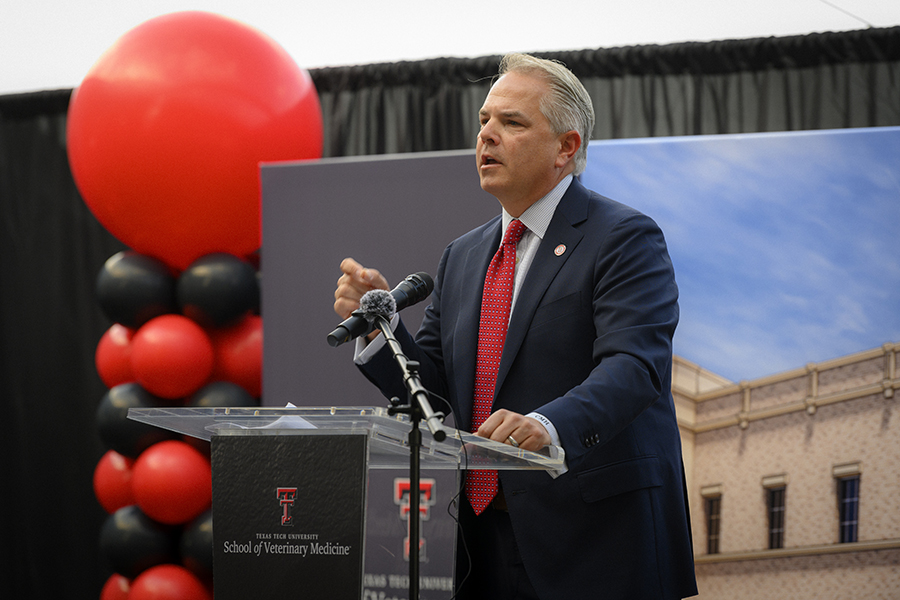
(502, 425)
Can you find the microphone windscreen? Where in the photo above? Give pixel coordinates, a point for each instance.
(376, 303)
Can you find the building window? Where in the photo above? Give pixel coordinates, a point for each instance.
(713, 519)
(776, 505)
(848, 508)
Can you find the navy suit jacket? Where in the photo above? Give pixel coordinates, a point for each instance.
(590, 347)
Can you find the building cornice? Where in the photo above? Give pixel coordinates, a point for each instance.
(810, 404)
(705, 559)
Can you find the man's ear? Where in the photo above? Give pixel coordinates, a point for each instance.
(569, 143)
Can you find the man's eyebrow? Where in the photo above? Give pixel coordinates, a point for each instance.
(504, 113)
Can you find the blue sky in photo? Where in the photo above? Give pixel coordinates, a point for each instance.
(786, 246)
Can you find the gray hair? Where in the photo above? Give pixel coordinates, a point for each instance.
(568, 106)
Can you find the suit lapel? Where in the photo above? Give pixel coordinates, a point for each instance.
(572, 209)
(466, 346)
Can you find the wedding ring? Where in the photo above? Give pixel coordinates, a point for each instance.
(512, 441)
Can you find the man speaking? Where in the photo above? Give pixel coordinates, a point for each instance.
(552, 324)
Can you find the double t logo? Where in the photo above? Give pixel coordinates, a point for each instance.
(426, 501)
(286, 497)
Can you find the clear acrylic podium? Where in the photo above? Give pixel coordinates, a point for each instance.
(258, 451)
(388, 445)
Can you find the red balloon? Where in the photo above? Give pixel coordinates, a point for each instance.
(113, 356)
(171, 356)
(167, 129)
(112, 481)
(168, 582)
(172, 482)
(115, 588)
(238, 351)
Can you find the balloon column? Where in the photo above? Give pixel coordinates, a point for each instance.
(165, 136)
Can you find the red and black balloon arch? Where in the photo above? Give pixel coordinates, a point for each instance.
(164, 137)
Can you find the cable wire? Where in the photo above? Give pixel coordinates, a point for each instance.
(848, 13)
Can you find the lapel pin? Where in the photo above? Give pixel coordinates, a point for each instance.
(560, 250)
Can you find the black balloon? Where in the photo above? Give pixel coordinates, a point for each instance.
(218, 289)
(218, 394)
(255, 259)
(221, 394)
(257, 307)
(127, 436)
(196, 546)
(133, 288)
(132, 542)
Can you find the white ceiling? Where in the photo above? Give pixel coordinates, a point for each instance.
(51, 44)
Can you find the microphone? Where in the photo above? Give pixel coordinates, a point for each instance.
(377, 303)
(412, 290)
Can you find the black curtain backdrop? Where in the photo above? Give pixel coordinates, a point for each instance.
(51, 247)
(821, 81)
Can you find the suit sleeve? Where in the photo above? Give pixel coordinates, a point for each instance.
(635, 312)
(382, 369)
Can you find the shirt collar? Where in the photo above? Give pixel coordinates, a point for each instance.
(537, 217)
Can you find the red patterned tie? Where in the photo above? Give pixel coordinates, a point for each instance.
(481, 485)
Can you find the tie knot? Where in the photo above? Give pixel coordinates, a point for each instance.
(514, 232)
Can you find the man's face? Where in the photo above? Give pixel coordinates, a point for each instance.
(517, 152)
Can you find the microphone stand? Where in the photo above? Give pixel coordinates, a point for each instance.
(417, 408)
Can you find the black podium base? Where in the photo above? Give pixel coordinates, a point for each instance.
(289, 516)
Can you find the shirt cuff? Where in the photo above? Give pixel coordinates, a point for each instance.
(554, 438)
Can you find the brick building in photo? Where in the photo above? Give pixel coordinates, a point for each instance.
(794, 479)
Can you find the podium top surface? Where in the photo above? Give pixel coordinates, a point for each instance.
(388, 435)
